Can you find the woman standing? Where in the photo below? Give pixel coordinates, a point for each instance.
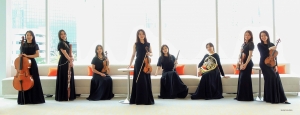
(141, 86)
(31, 50)
(210, 86)
(101, 83)
(244, 91)
(65, 86)
(171, 85)
(273, 90)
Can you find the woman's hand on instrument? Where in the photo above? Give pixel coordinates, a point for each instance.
(199, 74)
(107, 60)
(148, 54)
(276, 69)
(272, 48)
(24, 55)
(128, 66)
(102, 74)
(243, 66)
(71, 64)
(175, 62)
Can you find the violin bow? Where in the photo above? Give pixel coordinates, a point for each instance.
(142, 64)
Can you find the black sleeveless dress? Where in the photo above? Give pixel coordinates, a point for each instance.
(171, 85)
(61, 92)
(101, 87)
(35, 94)
(141, 90)
(244, 90)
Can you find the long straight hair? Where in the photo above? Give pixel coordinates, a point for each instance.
(101, 53)
(33, 37)
(137, 36)
(251, 39)
(162, 53)
(268, 40)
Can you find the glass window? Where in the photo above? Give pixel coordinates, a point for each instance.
(235, 18)
(122, 20)
(82, 21)
(188, 26)
(286, 23)
(28, 15)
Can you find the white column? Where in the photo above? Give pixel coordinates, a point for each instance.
(5, 47)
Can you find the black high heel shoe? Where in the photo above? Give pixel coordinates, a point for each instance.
(286, 102)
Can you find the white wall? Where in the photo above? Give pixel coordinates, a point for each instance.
(4, 30)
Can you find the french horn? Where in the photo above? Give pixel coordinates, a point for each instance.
(210, 63)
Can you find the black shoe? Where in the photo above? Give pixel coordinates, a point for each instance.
(286, 102)
(235, 98)
(159, 96)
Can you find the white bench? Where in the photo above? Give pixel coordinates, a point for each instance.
(82, 81)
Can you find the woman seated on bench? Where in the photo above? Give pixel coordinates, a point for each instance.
(101, 83)
(171, 85)
(210, 86)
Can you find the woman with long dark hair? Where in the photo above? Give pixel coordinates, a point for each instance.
(101, 83)
(244, 90)
(30, 49)
(65, 85)
(273, 90)
(210, 68)
(171, 85)
(141, 92)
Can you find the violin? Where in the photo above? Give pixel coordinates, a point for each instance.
(271, 59)
(147, 60)
(147, 68)
(241, 60)
(22, 80)
(105, 64)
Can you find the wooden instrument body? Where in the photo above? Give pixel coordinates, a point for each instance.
(105, 68)
(271, 59)
(147, 60)
(22, 80)
(241, 60)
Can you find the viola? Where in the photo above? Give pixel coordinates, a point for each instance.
(147, 60)
(105, 64)
(22, 80)
(271, 59)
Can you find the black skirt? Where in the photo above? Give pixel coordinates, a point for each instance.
(244, 91)
(210, 86)
(101, 88)
(171, 86)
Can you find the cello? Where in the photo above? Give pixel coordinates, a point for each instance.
(271, 59)
(105, 68)
(22, 80)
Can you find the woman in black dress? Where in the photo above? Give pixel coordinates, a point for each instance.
(31, 50)
(210, 86)
(101, 83)
(171, 85)
(141, 86)
(65, 86)
(244, 90)
(273, 90)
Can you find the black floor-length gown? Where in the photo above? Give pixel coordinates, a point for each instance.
(101, 87)
(61, 92)
(273, 90)
(141, 90)
(244, 90)
(210, 86)
(35, 94)
(171, 85)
